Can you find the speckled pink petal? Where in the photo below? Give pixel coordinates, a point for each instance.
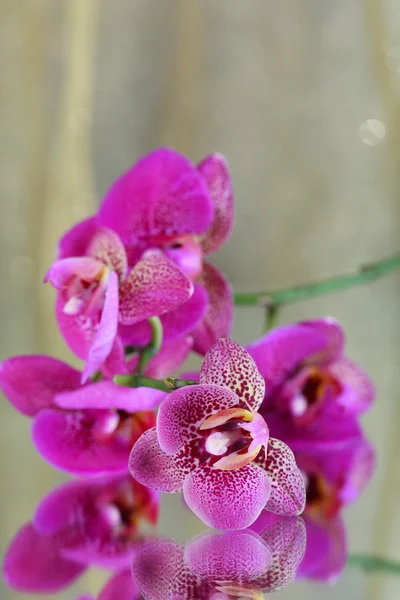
(33, 564)
(358, 392)
(104, 338)
(228, 556)
(227, 499)
(184, 410)
(228, 364)
(76, 240)
(326, 553)
(69, 441)
(162, 194)
(30, 382)
(288, 493)
(150, 466)
(286, 348)
(215, 171)
(107, 395)
(217, 321)
(176, 323)
(286, 539)
(120, 587)
(154, 287)
(107, 248)
(61, 271)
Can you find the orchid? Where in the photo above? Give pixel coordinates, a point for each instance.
(119, 587)
(87, 429)
(221, 565)
(211, 443)
(98, 292)
(167, 204)
(310, 384)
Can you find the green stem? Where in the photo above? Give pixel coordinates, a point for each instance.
(168, 385)
(365, 274)
(271, 317)
(174, 384)
(153, 347)
(373, 563)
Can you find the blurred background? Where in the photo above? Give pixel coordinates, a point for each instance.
(304, 100)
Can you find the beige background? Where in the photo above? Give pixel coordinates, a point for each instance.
(281, 88)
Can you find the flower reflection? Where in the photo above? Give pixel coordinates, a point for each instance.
(222, 565)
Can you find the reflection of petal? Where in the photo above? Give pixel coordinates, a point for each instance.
(120, 587)
(229, 365)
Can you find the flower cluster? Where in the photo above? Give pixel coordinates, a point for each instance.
(272, 426)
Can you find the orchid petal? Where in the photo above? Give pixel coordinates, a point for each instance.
(288, 493)
(154, 287)
(283, 350)
(76, 240)
(33, 563)
(358, 390)
(215, 171)
(107, 248)
(120, 587)
(176, 323)
(84, 267)
(227, 499)
(184, 410)
(228, 364)
(217, 322)
(106, 332)
(162, 194)
(77, 330)
(170, 358)
(31, 382)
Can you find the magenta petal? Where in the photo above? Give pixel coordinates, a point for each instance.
(58, 508)
(184, 410)
(31, 382)
(107, 330)
(228, 364)
(33, 563)
(358, 391)
(170, 358)
(288, 493)
(115, 362)
(162, 194)
(154, 286)
(228, 556)
(286, 348)
(215, 171)
(68, 441)
(77, 331)
(227, 499)
(107, 395)
(326, 553)
(176, 323)
(76, 241)
(120, 587)
(150, 466)
(107, 248)
(217, 322)
(84, 267)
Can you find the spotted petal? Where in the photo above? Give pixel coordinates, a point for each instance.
(154, 287)
(288, 493)
(107, 248)
(30, 382)
(215, 171)
(162, 194)
(217, 321)
(227, 499)
(228, 364)
(184, 410)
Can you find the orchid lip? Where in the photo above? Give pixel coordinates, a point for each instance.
(225, 415)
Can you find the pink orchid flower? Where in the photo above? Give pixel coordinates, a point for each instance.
(164, 202)
(221, 565)
(98, 293)
(211, 442)
(119, 587)
(90, 429)
(309, 383)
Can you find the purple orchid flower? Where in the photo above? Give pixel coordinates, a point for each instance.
(164, 202)
(221, 565)
(211, 442)
(89, 429)
(97, 292)
(309, 383)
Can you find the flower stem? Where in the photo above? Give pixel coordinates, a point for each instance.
(365, 274)
(373, 563)
(153, 347)
(271, 317)
(168, 385)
